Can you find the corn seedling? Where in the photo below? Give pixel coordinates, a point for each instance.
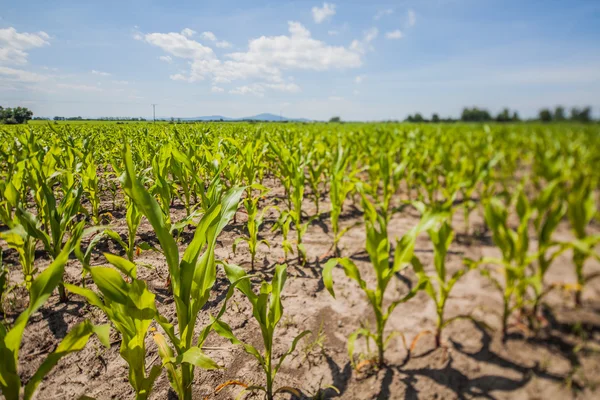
(439, 286)
(191, 278)
(10, 337)
(267, 310)
(516, 260)
(581, 209)
(255, 220)
(378, 248)
(131, 309)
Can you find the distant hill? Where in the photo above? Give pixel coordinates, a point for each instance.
(260, 117)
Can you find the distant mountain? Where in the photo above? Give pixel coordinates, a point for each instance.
(266, 117)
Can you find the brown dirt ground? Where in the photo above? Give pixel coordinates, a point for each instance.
(562, 361)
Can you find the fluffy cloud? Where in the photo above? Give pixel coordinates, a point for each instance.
(324, 13)
(166, 59)
(361, 46)
(265, 59)
(179, 45)
(298, 50)
(187, 32)
(208, 36)
(216, 89)
(397, 34)
(100, 73)
(359, 79)
(18, 75)
(13, 45)
(178, 77)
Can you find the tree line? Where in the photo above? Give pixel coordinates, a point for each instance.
(17, 115)
(506, 115)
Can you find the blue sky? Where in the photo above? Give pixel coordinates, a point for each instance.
(367, 60)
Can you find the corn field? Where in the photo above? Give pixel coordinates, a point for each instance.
(308, 261)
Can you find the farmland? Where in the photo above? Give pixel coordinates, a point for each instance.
(352, 261)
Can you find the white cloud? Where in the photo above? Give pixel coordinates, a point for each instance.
(396, 34)
(223, 44)
(359, 79)
(138, 36)
(412, 18)
(361, 46)
(333, 32)
(19, 75)
(13, 45)
(178, 77)
(179, 45)
(336, 98)
(84, 88)
(299, 50)
(216, 89)
(324, 13)
(166, 59)
(100, 73)
(120, 82)
(264, 60)
(188, 32)
(383, 13)
(208, 36)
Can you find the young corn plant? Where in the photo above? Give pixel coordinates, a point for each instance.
(549, 208)
(131, 308)
(298, 180)
(13, 388)
(341, 184)
(89, 182)
(441, 236)
(283, 224)
(516, 260)
(267, 310)
(378, 248)
(24, 244)
(191, 277)
(317, 166)
(58, 223)
(255, 220)
(133, 218)
(581, 209)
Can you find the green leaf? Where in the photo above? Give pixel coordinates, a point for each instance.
(123, 265)
(110, 283)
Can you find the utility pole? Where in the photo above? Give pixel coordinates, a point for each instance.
(154, 112)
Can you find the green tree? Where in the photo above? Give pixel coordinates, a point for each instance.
(545, 115)
(559, 114)
(22, 115)
(504, 116)
(335, 119)
(435, 118)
